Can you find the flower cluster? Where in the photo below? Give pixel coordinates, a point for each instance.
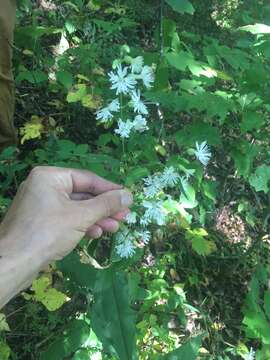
(124, 81)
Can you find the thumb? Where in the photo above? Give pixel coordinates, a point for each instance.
(104, 205)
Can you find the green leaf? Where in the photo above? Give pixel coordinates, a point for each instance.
(77, 93)
(112, 318)
(199, 244)
(188, 351)
(243, 155)
(33, 77)
(51, 298)
(181, 6)
(256, 29)
(135, 175)
(4, 350)
(198, 131)
(65, 78)
(81, 274)
(74, 336)
(251, 120)
(260, 179)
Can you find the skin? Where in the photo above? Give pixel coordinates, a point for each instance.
(52, 210)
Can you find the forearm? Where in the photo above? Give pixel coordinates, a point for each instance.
(16, 273)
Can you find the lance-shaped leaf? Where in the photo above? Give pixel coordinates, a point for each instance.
(112, 318)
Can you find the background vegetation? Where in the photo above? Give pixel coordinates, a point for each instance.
(200, 288)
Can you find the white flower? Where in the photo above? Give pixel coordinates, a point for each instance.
(114, 106)
(137, 64)
(153, 186)
(124, 128)
(154, 213)
(121, 81)
(131, 218)
(96, 356)
(202, 153)
(125, 243)
(250, 355)
(143, 235)
(147, 76)
(140, 123)
(137, 103)
(170, 177)
(104, 115)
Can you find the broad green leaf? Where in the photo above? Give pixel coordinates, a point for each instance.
(251, 120)
(33, 77)
(135, 175)
(256, 29)
(243, 155)
(199, 244)
(188, 351)
(112, 318)
(202, 246)
(260, 179)
(77, 93)
(180, 60)
(65, 78)
(80, 274)
(181, 6)
(198, 131)
(73, 337)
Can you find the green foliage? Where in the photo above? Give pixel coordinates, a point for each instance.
(212, 65)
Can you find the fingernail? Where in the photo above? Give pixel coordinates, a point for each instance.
(126, 198)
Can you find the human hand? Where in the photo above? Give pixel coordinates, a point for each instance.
(55, 207)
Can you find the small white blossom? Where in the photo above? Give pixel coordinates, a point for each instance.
(121, 81)
(202, 153)
(137, 104)
(147, 76)
(140, 123)
(153, 186)
(114, 106)
(154, 213)
(170, 177)
(131, 218)
(144, 236)
(137, 64)
(124, 128)
(104, 115)
(250, 355)
(125, 247)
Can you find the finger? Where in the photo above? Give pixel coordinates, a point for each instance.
(102, 206)
(121, 215)
(108, 225)
(80, 196)
(94, 232)
(85, 181)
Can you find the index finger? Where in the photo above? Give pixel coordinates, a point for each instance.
(86, 181)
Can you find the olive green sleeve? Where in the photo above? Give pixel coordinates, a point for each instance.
(7, 23)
